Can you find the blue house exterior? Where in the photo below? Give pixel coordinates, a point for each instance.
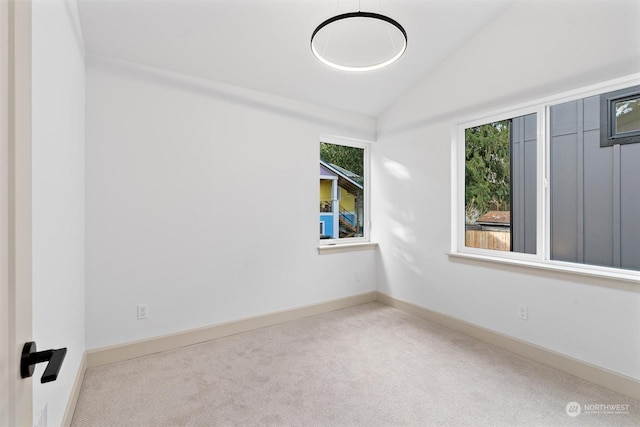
(339, 204)
(326, 225)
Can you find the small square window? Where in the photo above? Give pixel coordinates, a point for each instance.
(627, 116)
(322, 232)
(620, 117)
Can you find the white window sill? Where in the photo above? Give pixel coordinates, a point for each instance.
(346, 247)
(564, 267)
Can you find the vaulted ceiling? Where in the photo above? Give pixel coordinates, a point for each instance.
(265, 44)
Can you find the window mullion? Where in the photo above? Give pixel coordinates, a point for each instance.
(543, 208)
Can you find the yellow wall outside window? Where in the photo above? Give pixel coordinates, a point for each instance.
(347, 200)
(325, 190)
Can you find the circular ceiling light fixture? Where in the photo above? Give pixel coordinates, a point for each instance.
(359, 41)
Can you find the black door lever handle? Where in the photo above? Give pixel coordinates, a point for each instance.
(30, 357)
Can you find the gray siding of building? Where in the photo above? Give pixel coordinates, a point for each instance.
(630, 206)
(595, 191)
(523, 184)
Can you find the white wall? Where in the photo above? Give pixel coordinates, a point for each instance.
(202, 202)
(532, 50)
(58, 198)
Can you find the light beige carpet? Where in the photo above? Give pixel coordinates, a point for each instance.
(369, 365)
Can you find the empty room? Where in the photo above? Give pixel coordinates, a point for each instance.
(320, 212)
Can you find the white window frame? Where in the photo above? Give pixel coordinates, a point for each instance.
(365, 145)
(542, 257)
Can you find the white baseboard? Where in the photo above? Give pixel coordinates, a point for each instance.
(103, 356)
(597, 375)
(75, 392)
(120, 352)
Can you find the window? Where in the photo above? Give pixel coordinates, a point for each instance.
(546, 185)
(343, 191)
(500, 190)
(620, 117)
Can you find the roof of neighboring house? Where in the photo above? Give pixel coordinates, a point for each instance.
(328, 173)
(495, 217)
(346, 179)
(345, 172)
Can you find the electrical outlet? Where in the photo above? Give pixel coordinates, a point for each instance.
(523, 312)
(357, 277)
(143, 311)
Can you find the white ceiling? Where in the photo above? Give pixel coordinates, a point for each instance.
(265, 44)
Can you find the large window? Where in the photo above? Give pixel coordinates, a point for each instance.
(555, 183)
(343, 191)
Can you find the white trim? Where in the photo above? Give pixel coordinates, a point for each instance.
(7, 375)
(542, 258)
(345, 140)
(131, 350)
(16, 204)
(460, 180)
(560, 98)
(333, 248)
(542, 177)
(75, 392)
(366, 146)
(603, 377)
(457, 164)
(345, 241)
(559, 266)
(335, 209)
(350, 123)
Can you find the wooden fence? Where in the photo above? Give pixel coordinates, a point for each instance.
(498, 240)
